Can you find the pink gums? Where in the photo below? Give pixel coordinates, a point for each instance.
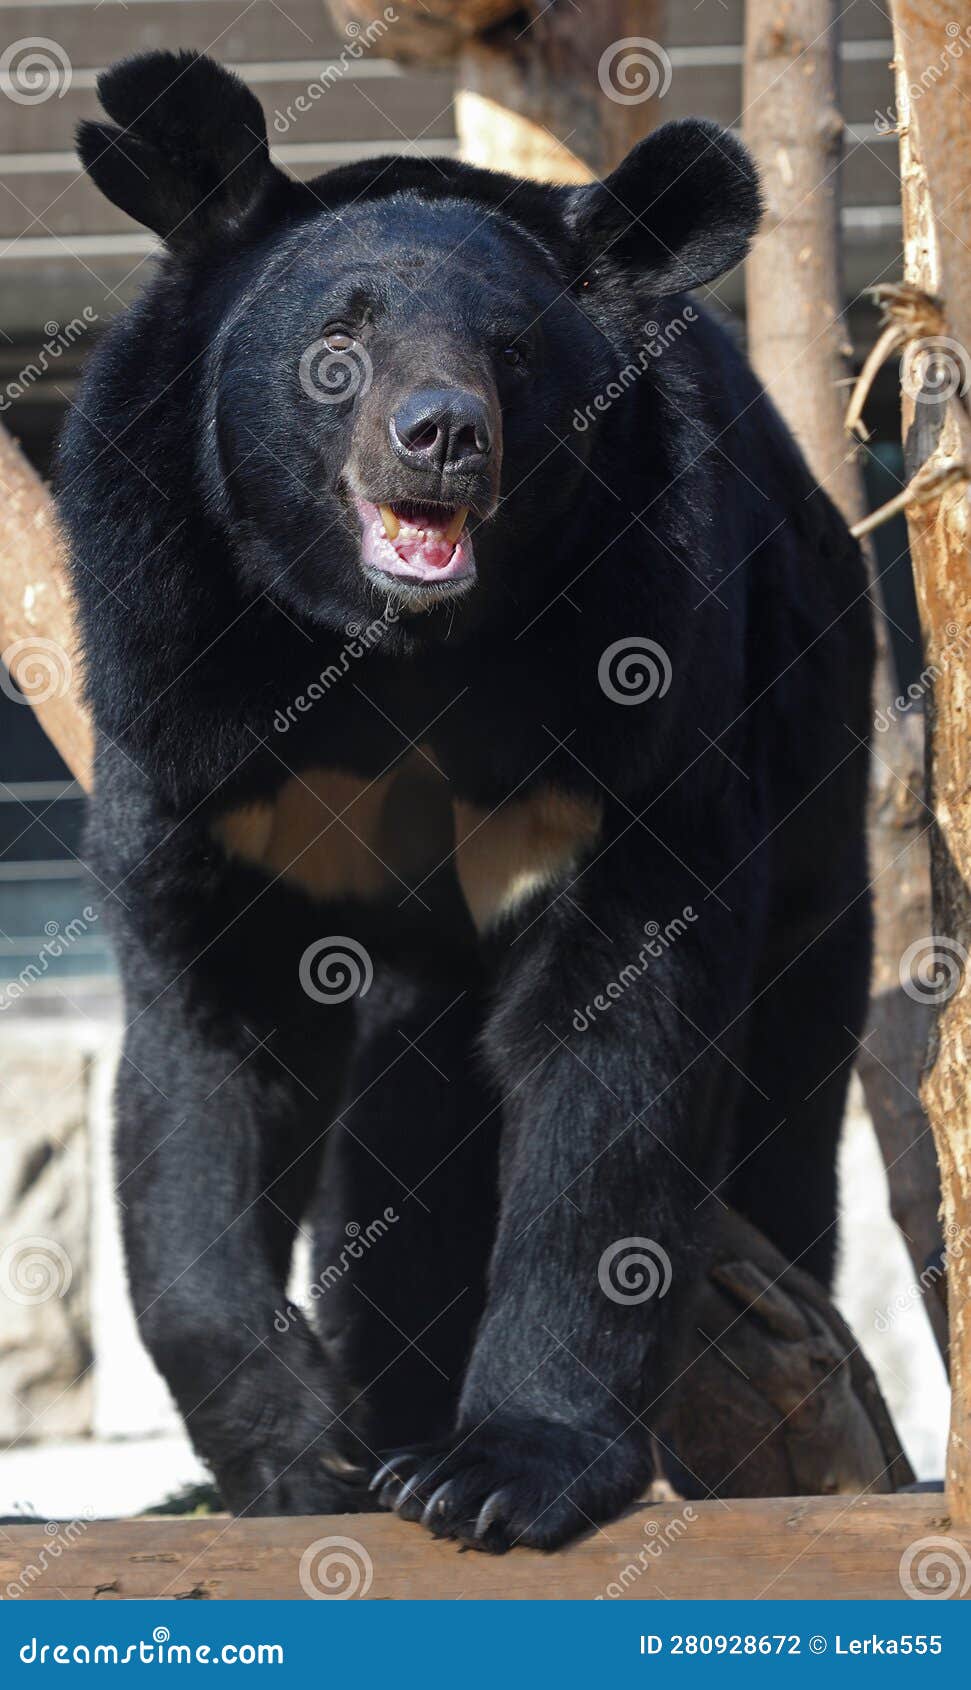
(420, 551)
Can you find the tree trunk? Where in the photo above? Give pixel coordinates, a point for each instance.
(933, 122)
(37, 636)
(563, 98)
(798, 344)
(544, 88)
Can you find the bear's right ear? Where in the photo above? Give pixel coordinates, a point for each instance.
(679, 210)
(190, 158)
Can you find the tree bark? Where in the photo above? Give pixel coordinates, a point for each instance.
(426, 32)
(544, 89)
(563, 98)
(799, 346)
(933, 124)
(38, 642)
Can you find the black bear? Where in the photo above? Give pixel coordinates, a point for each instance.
(481, 688)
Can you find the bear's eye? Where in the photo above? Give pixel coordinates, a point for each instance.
(337, 339)
(514, 357)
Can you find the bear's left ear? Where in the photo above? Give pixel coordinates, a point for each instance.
(189, 158)
(679, 210)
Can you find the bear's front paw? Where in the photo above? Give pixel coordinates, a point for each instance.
(507, 1482)
(313, 1483)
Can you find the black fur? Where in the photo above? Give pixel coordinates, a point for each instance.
(217, 563)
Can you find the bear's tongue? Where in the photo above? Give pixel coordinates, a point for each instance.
(422, 537)
(425, 543)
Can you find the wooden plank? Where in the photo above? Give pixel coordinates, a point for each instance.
(92, 33)
(778, 1549)
(64, 202)
(364, 103)
(352, 108)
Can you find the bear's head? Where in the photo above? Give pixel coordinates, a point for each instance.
(386, 362)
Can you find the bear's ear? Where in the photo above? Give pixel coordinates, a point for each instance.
(679, 210)
(189, 158)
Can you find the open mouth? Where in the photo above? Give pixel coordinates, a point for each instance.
(416, 543)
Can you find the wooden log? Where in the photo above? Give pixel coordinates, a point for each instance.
(38, 642)
(866, 1547)
(564, 98)
(798, 343)
(793, 293)
(428, 32)
(932, 120)
(544, 89)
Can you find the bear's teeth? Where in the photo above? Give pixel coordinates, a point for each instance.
(391, 524)
(456, 525)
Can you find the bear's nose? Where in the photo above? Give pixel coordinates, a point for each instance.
(441, 428)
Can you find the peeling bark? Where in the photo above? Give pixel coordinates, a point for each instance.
(933, 123)
(799, 346)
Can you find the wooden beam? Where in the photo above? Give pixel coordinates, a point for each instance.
(779, 1549)
(933, 87)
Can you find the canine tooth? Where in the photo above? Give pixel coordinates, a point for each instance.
(456, 525)
(391, 524)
